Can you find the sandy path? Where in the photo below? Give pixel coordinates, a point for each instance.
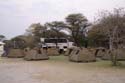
(20, 71)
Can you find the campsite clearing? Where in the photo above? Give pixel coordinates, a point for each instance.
(59, 70)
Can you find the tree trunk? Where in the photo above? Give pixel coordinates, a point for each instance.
(111, 47)
(113, 52)
(115, 58)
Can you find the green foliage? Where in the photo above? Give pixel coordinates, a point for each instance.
(53, 34)
(111, 27)
(2, 37)
(75, 19)
(55, 28)
(17, 43)
(30, 41)
(37, 30)
(97, 37)
(77, 24)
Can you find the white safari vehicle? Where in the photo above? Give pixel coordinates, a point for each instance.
(61, 43)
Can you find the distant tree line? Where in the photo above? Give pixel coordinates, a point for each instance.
(75, 25)
(108, 31)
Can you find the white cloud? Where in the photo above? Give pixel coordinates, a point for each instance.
(24, 12)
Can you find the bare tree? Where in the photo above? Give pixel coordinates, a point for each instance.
(113, 25)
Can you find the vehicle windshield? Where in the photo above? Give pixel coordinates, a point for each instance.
(55, 41)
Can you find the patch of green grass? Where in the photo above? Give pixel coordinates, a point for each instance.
(101, 63)
(109, 64)
(60, 58)
(104, 64)
(120, 64)
(97, 64)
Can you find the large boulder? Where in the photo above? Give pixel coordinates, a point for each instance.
(52, 52)
(105, 55)
(15, 53)
(120, 53)
(101, 52)
(68, 52)
(82, 55)
(35, 54)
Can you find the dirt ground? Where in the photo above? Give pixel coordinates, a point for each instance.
(59, 70)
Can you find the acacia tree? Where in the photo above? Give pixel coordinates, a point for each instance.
(53, 34)
(37, 30)
(113, 25)
(55, 28)
(77, 24)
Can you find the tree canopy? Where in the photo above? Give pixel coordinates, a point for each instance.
(77, 24)
(2, 37)
(111, 26)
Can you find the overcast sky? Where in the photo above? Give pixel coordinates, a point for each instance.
(17, 15)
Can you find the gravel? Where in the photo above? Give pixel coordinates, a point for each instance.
(50, 71)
